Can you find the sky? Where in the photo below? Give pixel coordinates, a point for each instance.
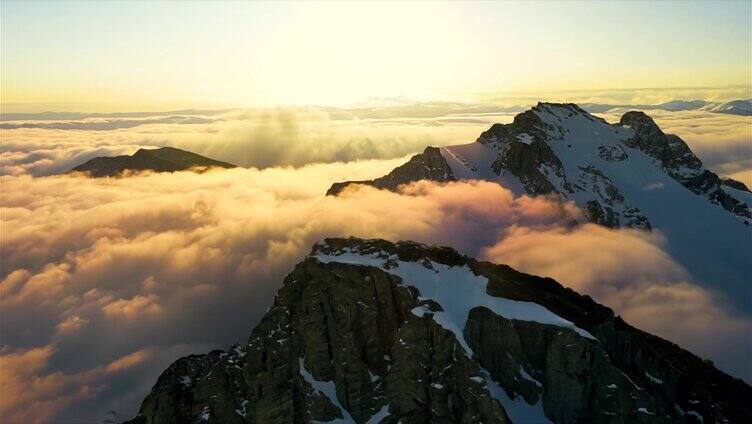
(168, 55)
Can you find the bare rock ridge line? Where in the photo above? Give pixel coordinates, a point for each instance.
(564, 151)
(165, 159)
(429, 165)
(369, 331)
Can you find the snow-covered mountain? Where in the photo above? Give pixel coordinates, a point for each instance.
(367, 331)
(626, 174)
(741, 107)
(735, 107)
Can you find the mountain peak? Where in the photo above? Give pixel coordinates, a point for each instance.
(370, 331)
(142, 152)
(560, 148)
(551, 106)
(638, 119)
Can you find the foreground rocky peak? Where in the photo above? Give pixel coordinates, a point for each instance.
(560, 149)
(368, 331)
(164, 159)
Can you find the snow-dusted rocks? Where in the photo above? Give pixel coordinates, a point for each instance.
(369, 331)
(734, 107)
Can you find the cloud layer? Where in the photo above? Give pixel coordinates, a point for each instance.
(297, 136)
(105, 281)
(284, 136)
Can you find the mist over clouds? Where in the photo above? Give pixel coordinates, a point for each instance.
(106, 281)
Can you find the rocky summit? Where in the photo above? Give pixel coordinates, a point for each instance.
(369, 331)
(615, 172)
(165, 159)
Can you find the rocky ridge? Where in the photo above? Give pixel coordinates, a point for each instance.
(429, 165)
(369, 331)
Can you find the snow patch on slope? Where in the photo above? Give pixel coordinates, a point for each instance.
(518, 410)
(457, 289)
(379, 415)
(524, 138)
(328, 389)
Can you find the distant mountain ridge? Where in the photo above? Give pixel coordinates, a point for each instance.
(742, 107)
(369, 331)
(164, 159)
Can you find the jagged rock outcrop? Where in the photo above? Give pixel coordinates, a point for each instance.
(673, 154)
(429, 165)
(368, 331)
(738, 185)
(164, 159)
(562, 150)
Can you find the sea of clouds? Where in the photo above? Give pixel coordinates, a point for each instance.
(107, 281)
(43, 144)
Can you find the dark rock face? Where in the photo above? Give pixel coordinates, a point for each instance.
(601, 211)
(343, 341)
(429, 165)
(536, 165)
(735, 184)
(671, 150)
(679, 161)
(347, 325)
(524, 161)
(709, 184)
(165, 159)
(576, 380)
(173, 394)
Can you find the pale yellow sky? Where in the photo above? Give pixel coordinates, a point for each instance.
(137, 56)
